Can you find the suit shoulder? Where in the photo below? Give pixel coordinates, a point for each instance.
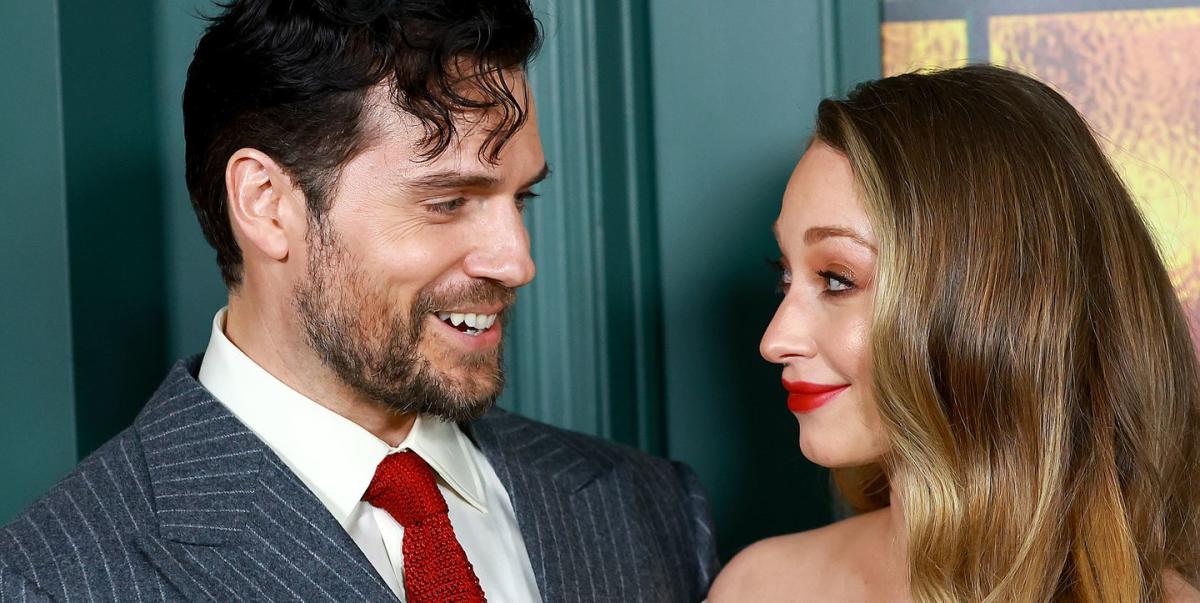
(15, 586)
(662, 499)
(90, 515)
(592, 446)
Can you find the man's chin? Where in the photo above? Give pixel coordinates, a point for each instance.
(437, 381)
(472, 390)
(459, 408)
(467, 413)
(457, 393)
(448, 405)
(469, 374)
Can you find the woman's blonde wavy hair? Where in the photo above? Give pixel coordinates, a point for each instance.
(1032, 363)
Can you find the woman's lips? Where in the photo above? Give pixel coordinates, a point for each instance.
(807, 397)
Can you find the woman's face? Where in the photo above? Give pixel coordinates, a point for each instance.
(821, 331)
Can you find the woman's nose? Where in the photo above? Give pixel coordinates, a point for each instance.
(788, 337)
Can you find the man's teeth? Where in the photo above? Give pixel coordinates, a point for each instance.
(480, 322)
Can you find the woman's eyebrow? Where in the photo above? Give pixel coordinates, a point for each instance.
(817, 234)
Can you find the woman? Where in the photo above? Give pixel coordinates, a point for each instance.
(979, 337)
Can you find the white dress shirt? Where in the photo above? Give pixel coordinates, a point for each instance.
(336, 459)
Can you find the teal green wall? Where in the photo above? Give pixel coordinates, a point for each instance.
(735, 92)
(670, 126)
(108, 279)
(37, 393)
(585, 350)
(193, 287)
(114, 211)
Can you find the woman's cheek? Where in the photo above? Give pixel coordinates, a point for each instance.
(848, 344)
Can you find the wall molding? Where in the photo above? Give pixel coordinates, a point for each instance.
(851, 43)
(585, 346)
(37, 376)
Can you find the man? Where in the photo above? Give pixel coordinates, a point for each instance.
(361, 169)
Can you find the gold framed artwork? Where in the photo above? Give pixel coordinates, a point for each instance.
(1133, 73)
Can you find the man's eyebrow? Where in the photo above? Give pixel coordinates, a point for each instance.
(453, 179)
(541, 175)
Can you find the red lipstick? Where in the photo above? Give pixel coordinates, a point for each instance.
(807, 397)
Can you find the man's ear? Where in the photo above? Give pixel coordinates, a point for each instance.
(261, 204)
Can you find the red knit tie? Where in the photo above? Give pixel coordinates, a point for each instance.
(436, 568)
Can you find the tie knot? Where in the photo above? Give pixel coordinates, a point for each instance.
(406, 487)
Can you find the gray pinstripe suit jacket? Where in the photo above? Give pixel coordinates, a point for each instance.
(189, 504)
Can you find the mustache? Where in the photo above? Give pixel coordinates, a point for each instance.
(481, 292)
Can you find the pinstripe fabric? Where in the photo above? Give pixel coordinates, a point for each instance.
(601, 522)
(187, 504)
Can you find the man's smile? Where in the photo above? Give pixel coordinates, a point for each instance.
(457, 330)
(471, 323)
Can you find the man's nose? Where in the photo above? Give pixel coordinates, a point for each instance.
(501, 251)
(788, 337)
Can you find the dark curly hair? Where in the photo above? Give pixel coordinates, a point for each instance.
(290, 77)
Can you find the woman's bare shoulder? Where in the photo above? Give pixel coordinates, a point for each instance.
(788, 567)
(768, 570)
(1178, 589)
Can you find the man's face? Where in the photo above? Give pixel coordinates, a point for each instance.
(411, 271)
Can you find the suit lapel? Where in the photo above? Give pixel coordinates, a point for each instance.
(234, 522)
(557, 489)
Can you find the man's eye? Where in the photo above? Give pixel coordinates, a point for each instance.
(524, 198)
(447, 207)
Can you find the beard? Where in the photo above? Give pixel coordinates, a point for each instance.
(376, 349)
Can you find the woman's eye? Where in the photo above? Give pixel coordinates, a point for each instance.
(785, 275)
(447, 207)
(836, 283)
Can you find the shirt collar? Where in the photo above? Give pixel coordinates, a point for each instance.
(334, 456)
